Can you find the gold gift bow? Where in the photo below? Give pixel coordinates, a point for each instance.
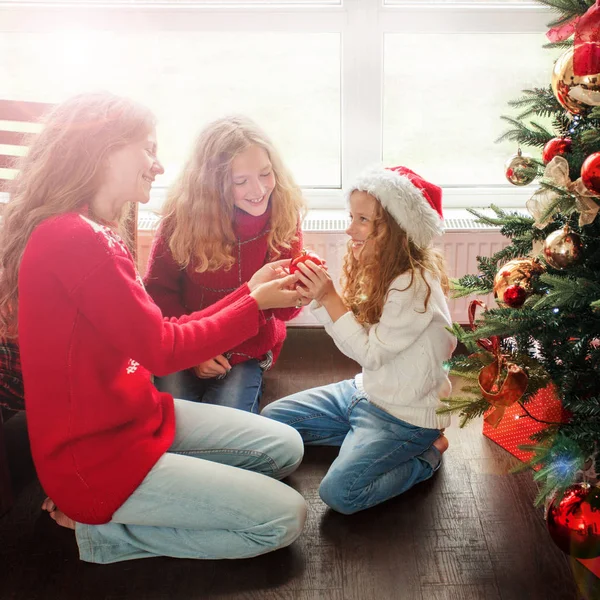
(557, 172)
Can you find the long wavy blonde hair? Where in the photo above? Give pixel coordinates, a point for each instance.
(199, 211)
(366, 282)
(62, 173)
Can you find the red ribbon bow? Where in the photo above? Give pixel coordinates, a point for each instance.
(499, 390)
(586, 55)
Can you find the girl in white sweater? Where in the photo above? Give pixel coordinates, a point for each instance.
(391, 318)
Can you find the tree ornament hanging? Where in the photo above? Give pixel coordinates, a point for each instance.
(575, 94)
(555, 147)
(562, 248)
(520, 169)
(502, 382)
(590, 173)
(517, 272)
(515, 295)
(574, 521)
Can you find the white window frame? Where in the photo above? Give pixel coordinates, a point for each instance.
(362, 25)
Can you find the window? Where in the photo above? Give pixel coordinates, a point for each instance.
(338, 84)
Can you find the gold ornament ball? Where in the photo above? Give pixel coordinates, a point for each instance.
(562, 248)
(520, 169)
(519, 271)
(574, 93)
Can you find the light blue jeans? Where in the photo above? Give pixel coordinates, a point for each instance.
(213, 495)
(380, 456)
(240, 388)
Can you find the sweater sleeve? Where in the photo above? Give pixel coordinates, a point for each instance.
(287, 314)
(111, 298)
(163, 279)
(400, 325)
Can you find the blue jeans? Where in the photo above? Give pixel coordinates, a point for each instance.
(240, 388)
(380, 456)
(213, 495)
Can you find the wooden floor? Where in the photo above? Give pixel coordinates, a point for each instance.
(470, 532)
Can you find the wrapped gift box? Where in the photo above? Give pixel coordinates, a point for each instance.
(516, 428)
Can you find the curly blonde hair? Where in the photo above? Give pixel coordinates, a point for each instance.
(366, 282)
(198, 213)
(62, 173)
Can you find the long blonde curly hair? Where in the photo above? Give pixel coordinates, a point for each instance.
(366, 282)
(199, 210)
(62, 173)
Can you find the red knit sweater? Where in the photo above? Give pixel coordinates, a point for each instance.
(90, 336)
(179, 292)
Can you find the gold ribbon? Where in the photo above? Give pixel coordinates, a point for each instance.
(557, 173)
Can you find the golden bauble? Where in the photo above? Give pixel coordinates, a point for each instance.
(576, 94)
(520, 169)
(562, 248)
(519, 271)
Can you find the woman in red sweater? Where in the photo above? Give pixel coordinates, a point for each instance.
(133, 472)
(234, 208)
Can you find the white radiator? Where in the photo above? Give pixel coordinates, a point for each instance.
(463, 241)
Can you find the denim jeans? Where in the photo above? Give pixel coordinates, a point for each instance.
(240, 388)
(380, 456)
(213, 495)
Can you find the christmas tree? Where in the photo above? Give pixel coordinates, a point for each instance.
(544, 334)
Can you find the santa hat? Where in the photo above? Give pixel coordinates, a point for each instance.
(414, 203)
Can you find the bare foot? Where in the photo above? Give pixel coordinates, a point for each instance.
(62, 519)
(58, 516)
(441, 444)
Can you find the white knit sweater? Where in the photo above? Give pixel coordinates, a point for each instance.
(402, 356)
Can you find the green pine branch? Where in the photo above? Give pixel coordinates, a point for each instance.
(535, 136)
(566, 9)
(565, 291)
(537, 101)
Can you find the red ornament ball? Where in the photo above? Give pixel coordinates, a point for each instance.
(574, 521)
(555, 147)
(514, 296)
(302, 258)
(590, 173)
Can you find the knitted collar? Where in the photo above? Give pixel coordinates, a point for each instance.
(246, 226)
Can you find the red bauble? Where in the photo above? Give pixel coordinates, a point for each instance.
(590, 173)
(574, 521)
(555, 147)
(302, 258)
(514, 296)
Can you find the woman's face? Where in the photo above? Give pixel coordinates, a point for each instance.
(130, 172)
(253, 180)
(362, 219)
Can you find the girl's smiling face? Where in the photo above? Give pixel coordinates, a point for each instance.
(362, 218)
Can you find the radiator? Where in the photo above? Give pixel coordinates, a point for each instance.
(462, 242)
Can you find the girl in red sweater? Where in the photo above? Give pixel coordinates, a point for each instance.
(134, 472)
(234, 208)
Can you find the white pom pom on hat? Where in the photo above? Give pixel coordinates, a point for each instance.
(415, 204)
